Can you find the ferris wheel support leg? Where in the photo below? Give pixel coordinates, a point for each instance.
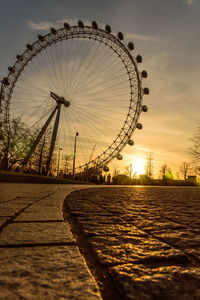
(39, 136)
(53, 138)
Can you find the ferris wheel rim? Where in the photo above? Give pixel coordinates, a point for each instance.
(134, 76)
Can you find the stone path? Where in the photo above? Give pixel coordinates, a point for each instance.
(143, 242)
(39, 258)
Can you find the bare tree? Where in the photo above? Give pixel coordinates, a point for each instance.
(178, 174)
(163, 170)
(166, 171)
(116, 171)
(68, 159)
(195, 151)
(184, 169)
(130, 171)
(15, 144)
(40, 155)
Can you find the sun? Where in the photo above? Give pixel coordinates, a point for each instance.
(139, 166)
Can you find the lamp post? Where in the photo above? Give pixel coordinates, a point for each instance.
(74, 158)
(58, 160)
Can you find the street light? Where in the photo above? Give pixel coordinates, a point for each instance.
(58, 160)
(74, 158)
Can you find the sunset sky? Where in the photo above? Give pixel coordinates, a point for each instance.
(165, 33)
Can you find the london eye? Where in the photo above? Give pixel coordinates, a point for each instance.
(77, 81)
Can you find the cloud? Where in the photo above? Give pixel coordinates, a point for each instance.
(142, 37)
(190, 2)
(43, 25)
(40, 25)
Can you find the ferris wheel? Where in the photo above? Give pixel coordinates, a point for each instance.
(83, 83)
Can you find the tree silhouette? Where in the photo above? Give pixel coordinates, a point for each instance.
(130, 171)
(184, 169)
(15, 144)
(166, 172)
(195, 151)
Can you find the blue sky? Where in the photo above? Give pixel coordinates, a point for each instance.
(165, 33)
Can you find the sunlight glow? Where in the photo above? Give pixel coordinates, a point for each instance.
(139, 166)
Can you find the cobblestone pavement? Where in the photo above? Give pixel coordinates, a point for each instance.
(144, 242)
(39, 258)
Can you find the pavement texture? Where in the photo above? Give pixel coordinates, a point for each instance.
(39, 257)
(139, 242)
(82, 242)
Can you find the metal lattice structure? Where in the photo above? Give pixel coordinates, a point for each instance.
(104, 39)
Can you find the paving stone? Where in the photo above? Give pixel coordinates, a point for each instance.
(130, 248)
(45, 273)
(169, 282)
(7, 212)
(30, 233)
(32, 216)
(182, 239)
(12, 206)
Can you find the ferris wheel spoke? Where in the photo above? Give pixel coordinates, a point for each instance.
(82, 60)
(103, 63)
(94, 119)
(54, 70)
(48, 62)
(82, 118)
(101, 112)
(93, 75)
(76, 130)
(93, 64)
(89, 135)
(97, 88)
(38, 73)
(75, 56)
(59, 62)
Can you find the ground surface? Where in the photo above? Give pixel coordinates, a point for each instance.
(144, 241)
(138, 242)
(39, 258)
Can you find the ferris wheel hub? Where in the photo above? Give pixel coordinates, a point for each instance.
(60, 100)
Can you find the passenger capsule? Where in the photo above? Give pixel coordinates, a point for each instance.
(106, 169)
(80, 24)
(29, 47)
(108, 28)
(11, 69)
(66, 25)
(146, 91)
(41, 38)
(120, 36)
(144, 108)
(5, 81)
(53, 30)
(139, 58)
(131, 142)
(19, 57)
(139, 126)
(119, 157)
(144, 74)
(130, 46)
(94, 25)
